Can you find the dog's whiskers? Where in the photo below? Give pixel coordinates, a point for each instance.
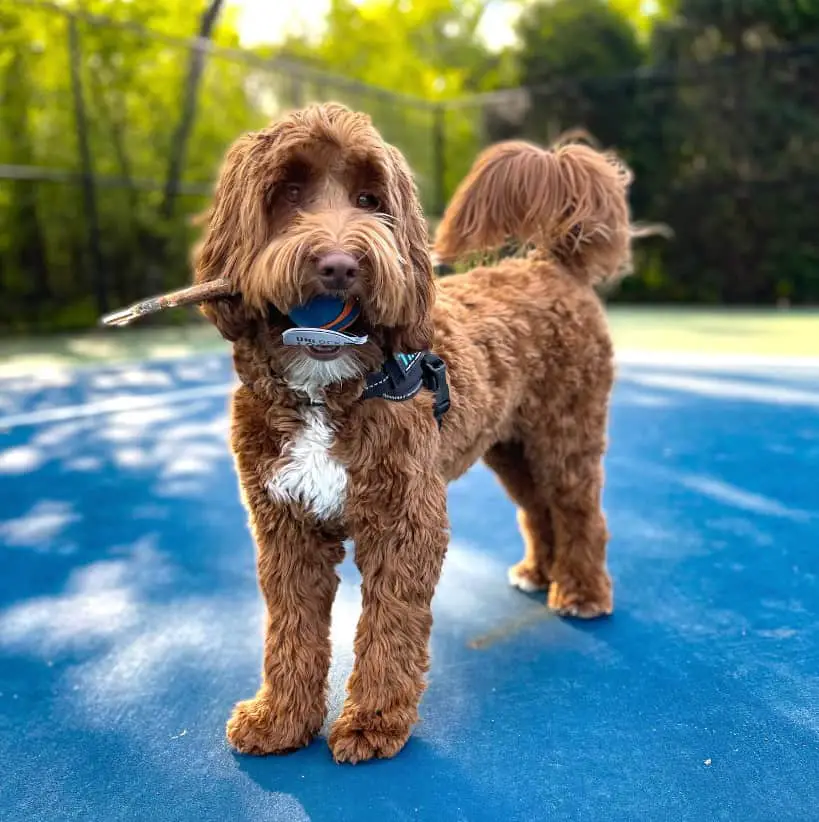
(389, 219)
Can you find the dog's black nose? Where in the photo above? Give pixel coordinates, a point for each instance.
(337, 270)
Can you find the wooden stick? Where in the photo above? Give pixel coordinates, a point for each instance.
(202, 292)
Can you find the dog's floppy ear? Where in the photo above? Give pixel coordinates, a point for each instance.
(231, 228)
(415, 330)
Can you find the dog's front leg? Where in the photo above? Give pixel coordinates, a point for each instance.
(400, 547)
(297, 576)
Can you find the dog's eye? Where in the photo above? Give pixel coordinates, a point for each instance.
(292, 192)
(367, 201)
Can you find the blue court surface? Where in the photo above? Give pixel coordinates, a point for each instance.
(130, 620)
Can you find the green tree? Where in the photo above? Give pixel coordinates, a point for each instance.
(702, 30)
(568, 51)
(434, 56)
(569, 39)
(433, 49)
(132, 84)
(743, 136)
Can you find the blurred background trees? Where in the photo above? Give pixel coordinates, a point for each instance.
(112, 128)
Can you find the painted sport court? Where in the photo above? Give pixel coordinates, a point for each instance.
(130, 620)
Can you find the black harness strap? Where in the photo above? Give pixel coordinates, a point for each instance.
(404, 375)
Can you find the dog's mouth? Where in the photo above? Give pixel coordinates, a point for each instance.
(323, 352)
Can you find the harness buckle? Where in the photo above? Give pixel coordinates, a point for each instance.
(433, 375)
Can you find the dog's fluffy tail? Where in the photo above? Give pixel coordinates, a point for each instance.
(569, 202)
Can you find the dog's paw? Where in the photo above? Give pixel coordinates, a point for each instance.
(256, 728)
(353, 742)
(527, 578)
(579, 603)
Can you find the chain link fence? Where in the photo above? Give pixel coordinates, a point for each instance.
(98, 188)
(97, 195)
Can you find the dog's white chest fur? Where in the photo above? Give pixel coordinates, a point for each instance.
(310, 475)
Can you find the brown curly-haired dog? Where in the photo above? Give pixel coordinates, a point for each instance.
(318, 203)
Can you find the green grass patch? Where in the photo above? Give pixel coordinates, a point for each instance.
(763, 332)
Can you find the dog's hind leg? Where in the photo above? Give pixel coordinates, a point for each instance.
(555, 475)
(564, 449)
(509, 463)
(581, 585)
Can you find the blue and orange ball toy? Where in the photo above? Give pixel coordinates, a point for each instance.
(326, 312)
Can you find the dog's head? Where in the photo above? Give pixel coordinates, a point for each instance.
(317, 203)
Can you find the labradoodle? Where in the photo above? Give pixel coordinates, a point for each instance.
(317, 203)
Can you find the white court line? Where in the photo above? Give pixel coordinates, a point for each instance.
(112, 406)
(717, 362)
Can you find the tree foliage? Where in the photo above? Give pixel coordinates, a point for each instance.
(718, 117)
(426, 49)
(131, 86)
(742, 137)
(714, 103)
(575, 38)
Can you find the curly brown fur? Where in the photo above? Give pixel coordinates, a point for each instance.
(568, 201)
(530, 368)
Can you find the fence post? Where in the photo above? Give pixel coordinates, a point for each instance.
(296, 91)
(439, 157)
(88, 183)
